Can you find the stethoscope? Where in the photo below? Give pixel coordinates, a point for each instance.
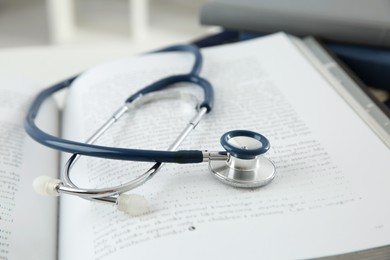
(240, 165)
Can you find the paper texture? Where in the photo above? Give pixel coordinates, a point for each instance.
(330, 195)
(28, 222)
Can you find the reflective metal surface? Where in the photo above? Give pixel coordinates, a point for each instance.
(242, 173)
(245, 142)
(110, 194)
(214, 156)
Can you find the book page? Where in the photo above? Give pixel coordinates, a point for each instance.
(330, 194)
(28, 221)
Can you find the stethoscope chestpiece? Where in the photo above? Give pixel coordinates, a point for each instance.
(245, 166)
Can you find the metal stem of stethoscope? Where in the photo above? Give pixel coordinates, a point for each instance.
(110, 194)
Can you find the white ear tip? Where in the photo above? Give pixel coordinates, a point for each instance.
(132, 204)
(45, 185)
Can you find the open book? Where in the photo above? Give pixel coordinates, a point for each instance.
(330, 195)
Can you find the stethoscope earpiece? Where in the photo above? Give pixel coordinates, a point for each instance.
(245, 166)
(132, 204)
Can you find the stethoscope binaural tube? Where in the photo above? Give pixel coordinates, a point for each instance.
(191, 156)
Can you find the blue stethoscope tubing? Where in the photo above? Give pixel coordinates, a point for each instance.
(182, 156)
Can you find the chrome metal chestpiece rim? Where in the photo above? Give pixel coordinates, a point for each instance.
(253, 178)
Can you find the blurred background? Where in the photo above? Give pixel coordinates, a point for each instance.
(141, 23)
(45, 41)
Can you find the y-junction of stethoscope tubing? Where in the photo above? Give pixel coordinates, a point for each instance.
(109, 194)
